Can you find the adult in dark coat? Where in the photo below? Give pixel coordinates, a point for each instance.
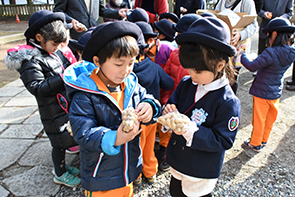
(76, 11)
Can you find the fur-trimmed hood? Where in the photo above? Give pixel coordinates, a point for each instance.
(17, 55)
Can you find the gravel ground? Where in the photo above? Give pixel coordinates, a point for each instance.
(245, 173)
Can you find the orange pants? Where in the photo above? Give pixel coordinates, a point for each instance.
(264, 115)
(163, 137)
(126, 191)
(147, 144)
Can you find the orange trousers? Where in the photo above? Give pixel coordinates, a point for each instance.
(126, 191)
(147, 144)
(264, 115)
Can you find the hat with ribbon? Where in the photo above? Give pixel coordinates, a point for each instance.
(209, 31)
(138, 14)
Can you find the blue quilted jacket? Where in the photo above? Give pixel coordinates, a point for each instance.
(95, 117)
(270, 65)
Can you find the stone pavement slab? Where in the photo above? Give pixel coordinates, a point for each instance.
(22, 99)
(11, 150)
(8, 91)
(36, 181)
(22, 131)
(3, 192)
(40, 154)
(15, 114)
(34, 119)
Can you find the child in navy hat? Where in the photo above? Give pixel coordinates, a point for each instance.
(41, 66)
(267, 86)
(196, 154)
(101, 87)
(157, 51)
(166, 32)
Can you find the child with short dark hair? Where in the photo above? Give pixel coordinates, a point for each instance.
(196, 154)
(41, 66)
(267, 86)
(103, 86)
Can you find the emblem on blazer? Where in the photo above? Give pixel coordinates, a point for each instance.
(199, 116)
(233, 123)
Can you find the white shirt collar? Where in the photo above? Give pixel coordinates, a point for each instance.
(214, 85)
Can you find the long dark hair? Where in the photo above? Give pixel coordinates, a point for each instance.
(282, 39)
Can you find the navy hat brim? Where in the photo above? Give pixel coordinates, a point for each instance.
(169, 38)
(31, 31)
(75, 44)
(204, 39)
(169, 15)
(107, 33)
(290, 29)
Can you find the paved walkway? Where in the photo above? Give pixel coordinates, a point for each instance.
(25, 163)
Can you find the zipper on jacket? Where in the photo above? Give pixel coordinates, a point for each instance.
(97, 164)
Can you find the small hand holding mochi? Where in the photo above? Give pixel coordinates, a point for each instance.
(176, 121)
(129, 118)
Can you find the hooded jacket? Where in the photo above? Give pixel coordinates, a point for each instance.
(95, 117)
(271, 65)
(41, 74)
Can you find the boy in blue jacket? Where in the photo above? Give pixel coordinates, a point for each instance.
(103, 86)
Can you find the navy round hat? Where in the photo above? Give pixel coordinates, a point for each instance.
(41, 18)
(103, 34)
(209, 31)
(185, 21)
(279, 24)
(80, 44)
(165, 27)
(138, 14)
(169, 15)
(146, 29)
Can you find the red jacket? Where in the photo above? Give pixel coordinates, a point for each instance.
(174, 69)
(160, 6)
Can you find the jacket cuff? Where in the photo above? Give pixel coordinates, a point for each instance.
(154, 106)
(108, 143)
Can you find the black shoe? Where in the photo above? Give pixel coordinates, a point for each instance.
(164, 166)
(290, 82)
(290, 87)
(254, 74)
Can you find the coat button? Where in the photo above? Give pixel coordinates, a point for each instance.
(174, 142)
(182, 148)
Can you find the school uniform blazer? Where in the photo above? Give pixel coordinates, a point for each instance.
(95, 117)
(77, 9)
(217, 116)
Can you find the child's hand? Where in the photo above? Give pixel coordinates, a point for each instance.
(267, 15)
(144, 112)
(123, 137)
(169, 108)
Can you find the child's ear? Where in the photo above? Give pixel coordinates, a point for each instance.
(221, 65)
(96, 61)
(38, 37)
(150, 40)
